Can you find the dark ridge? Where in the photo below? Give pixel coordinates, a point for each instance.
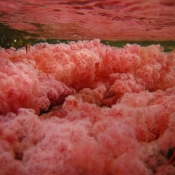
(18, 155)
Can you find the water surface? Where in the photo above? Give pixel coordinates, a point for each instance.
(113, 21)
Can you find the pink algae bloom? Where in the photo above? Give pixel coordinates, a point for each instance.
(87, 108)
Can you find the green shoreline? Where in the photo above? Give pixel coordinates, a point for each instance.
(17, 39)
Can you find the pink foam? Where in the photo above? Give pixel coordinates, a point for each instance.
(87, 108)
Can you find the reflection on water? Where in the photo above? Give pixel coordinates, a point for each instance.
(18, 39)
(25, 21)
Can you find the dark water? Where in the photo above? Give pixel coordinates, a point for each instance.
(115, 22)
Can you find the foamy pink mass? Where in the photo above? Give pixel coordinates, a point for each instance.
(87, 108)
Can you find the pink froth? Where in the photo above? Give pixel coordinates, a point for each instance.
(87, 108)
